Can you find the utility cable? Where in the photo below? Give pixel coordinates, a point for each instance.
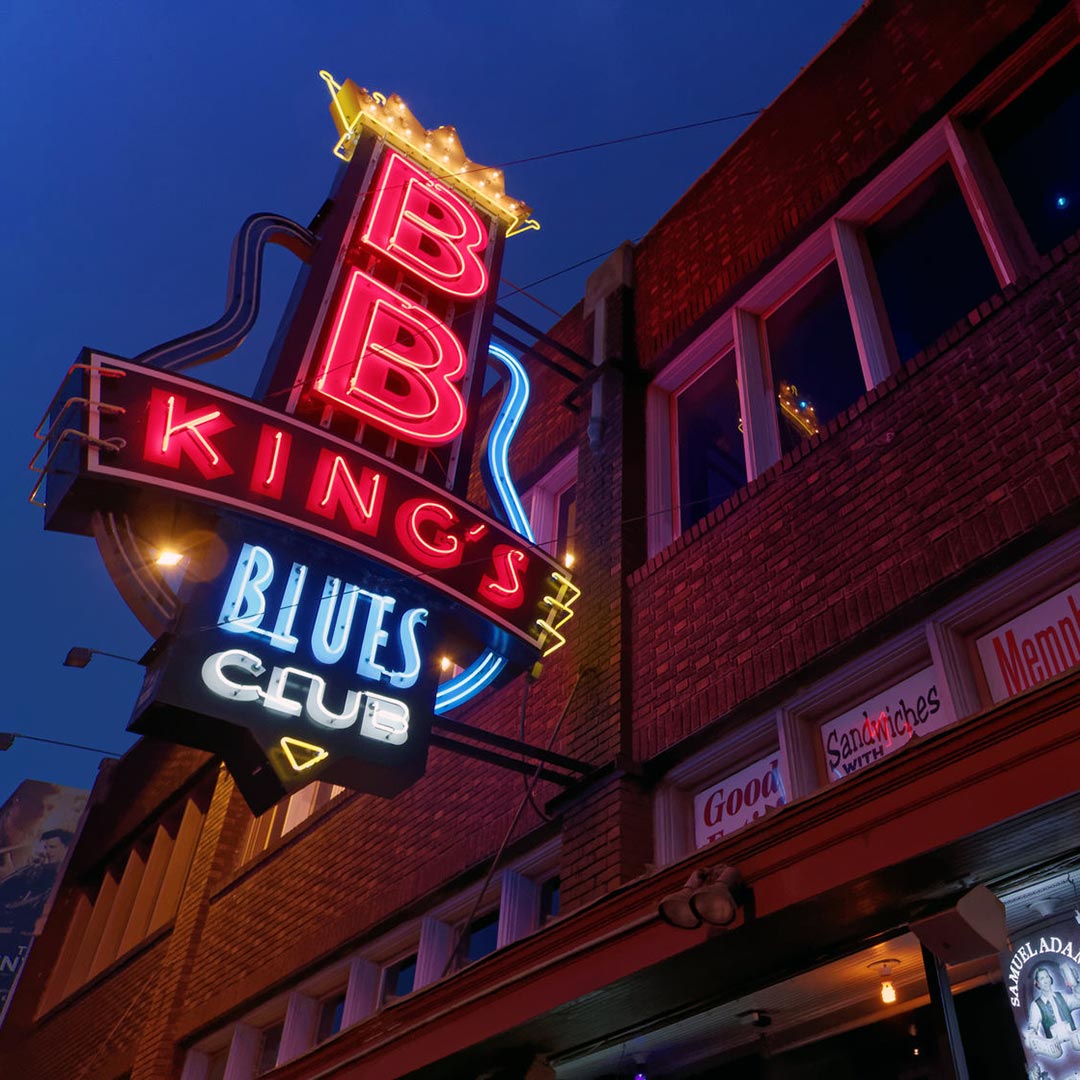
(631, 138)
(464, 929)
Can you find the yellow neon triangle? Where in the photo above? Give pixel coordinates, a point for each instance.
(289, 745)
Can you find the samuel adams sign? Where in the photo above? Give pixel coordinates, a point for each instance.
(327, 553)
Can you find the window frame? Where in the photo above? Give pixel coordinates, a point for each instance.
(840, 238)
(542, 500)
(288, 814)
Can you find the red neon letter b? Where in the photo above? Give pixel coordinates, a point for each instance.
(394, 364)
(427, 229)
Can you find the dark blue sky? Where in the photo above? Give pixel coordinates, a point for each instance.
(138, 136)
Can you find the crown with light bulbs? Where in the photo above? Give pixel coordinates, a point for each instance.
(439, 150)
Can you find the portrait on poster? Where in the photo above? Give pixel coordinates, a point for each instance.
(1043, 981)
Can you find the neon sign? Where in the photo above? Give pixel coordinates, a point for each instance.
(1042, 978)
(353, 555)
(340, 667)
(228, 452)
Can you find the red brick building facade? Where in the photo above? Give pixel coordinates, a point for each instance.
(775, 601)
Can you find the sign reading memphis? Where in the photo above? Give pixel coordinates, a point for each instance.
(1038, 645)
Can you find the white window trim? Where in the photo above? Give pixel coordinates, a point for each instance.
(946, 639)
(839, 240)
(514, 892)
(1006, 595)
(543, 501)
(673, 830)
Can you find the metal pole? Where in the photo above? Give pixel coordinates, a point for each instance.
(947, 1028)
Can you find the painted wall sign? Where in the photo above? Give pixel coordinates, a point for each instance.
(328, 548)
(884, 723)
(1035, 646)
(1042, 977)
(738, 799)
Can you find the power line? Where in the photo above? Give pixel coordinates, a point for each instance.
(632, 138)
(8, 737)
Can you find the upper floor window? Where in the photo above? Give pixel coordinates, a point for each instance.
(269, 1047)
(398, 979)
(1034, 142)
(481, 937)
(813, 356)
(549, 900)
(552, 509)
(566, 523)
(712, 460)
(930, 262)
(135, 896)
(331, 1015)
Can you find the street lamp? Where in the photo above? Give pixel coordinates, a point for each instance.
(79, 656)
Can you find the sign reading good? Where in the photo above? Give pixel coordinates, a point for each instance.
(1042, 977)
(1035, 646)
(737, 800)
(884, 723)
(335, 557)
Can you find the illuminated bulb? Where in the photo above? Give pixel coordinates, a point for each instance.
(568, 559)
(169, 558)
(444, 663)
(884, 971)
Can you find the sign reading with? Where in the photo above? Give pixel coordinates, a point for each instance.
(333, 553)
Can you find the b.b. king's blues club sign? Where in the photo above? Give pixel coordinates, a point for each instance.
(327, 555)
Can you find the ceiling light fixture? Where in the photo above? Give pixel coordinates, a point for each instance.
(884, 970)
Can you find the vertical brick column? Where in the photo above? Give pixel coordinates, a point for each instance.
(607, 827)
(156, 1054)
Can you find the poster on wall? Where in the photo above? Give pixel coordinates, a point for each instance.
(1042, 976)
(37, 825)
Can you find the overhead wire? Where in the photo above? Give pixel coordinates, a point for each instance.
(516, 290)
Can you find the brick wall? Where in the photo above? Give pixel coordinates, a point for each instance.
(970, 448)
(894, 70)
(962, 458)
